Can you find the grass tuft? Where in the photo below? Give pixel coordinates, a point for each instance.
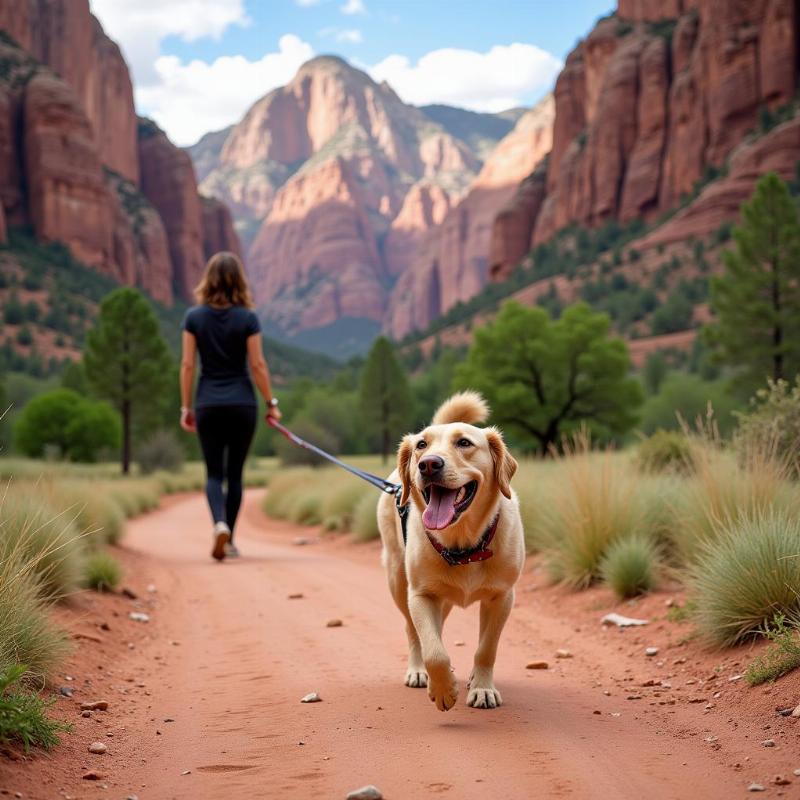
(746, 575)
(666, 452)
(365, 518)
(102, 572)
(782, 656)
(629, 566)
(23, 717)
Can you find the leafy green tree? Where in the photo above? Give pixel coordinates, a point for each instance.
(544, 379)
(76, 427)
(654, 372)
(757, 300)
(127, 362)
(385, 399)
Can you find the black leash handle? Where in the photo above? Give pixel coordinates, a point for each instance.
(377, 482)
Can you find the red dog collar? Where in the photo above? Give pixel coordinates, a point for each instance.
(480, 552)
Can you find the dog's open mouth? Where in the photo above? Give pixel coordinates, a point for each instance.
(446, 505)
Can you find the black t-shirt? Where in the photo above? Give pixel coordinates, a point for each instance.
(222, 335)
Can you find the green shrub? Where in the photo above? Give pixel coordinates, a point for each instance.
(23, 716)
(306, 510)
(77, 427)
(629, 566)
(27, 633)
(102, 572)
(782, 656)
(45, 537)
(365, 518)
(338, 509)
(773, 423)
(666, 451)
(161, 451)
(747, 575)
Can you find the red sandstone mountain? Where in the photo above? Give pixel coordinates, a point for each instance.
(73, 165)
(450, 263)
(650, 99)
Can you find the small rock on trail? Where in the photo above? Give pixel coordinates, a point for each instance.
(296, 596)
(651, 651)
(129, 593)
(66, 691)
(97, 705)
(369, 792)
(93, 775)
(334, 623)
(537, 665)
(621, 622)
(98, 748)
(563, 653)
(756, 787)
(139, 616)
(312, 697)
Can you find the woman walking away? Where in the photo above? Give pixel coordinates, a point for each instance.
(226, 332)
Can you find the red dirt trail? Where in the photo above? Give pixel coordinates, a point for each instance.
(226, 700)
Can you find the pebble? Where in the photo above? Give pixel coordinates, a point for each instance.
(334, 623)
(66, 691)
(104, 626)
(139, 616)
(622, 622)
(151, 588)
(537, 665)
(86, 714)
(779, 780)
(92, 775)
(651, 651)
(296, 596)
(97, 705)
(458, 643)
(300, 541)
(312, 697)
(756, 787)
(366, 793)
(129, 593)
(98, 748)
(796, 712)
(796, 772)
(735, 678)
(563, 654)
(186, 772)
(768, 743)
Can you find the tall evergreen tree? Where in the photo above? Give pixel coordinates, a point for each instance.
(127, 362)
(757, 300)
(385, 398)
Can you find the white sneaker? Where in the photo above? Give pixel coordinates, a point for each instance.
(222, 535)
(231, 551)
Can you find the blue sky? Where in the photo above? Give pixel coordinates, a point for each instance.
(199, 64)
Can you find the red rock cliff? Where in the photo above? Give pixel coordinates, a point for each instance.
(650, 98)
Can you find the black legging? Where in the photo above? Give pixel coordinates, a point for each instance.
(225, 429)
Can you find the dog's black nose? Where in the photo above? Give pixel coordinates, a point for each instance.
(430, 465)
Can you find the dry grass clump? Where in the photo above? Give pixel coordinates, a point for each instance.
(94, 513)
(365, 517)
(338, 508)
(102, 572)
(46, 538)
(782, 655)
(746, 574)
(666, 452)
(630, 566)
(27, 635)
(597, 499)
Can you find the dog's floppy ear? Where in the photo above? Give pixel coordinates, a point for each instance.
(505, 465)
(404, 468)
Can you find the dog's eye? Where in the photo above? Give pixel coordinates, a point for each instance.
(463, 443)
(421, 444)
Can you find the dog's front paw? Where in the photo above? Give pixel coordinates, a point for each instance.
(416, 677)
(442, 686)
(484, 698)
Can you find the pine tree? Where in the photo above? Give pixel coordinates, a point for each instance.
(127, 362)
(385, 397)
(757, 300)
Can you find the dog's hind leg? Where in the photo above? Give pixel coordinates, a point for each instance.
(494, 613)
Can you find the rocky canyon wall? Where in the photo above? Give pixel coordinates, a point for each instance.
(650, 99)
(71, 161)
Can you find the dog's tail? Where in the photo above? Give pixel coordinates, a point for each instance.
(469, 407)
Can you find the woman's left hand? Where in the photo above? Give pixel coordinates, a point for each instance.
(188, 422)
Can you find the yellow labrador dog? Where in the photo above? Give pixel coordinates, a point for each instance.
(464, 544)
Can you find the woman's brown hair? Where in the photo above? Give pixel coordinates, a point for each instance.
(224, 283)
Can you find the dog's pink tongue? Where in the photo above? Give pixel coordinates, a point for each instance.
(440, 510)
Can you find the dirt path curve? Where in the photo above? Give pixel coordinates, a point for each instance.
(248, 654)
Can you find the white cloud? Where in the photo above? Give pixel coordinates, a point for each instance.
(307, 3)
(138, 26)
(353, 7)
(193, 98)
(347, 35)
(501, 78)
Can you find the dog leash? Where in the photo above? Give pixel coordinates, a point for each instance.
(454, 558)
